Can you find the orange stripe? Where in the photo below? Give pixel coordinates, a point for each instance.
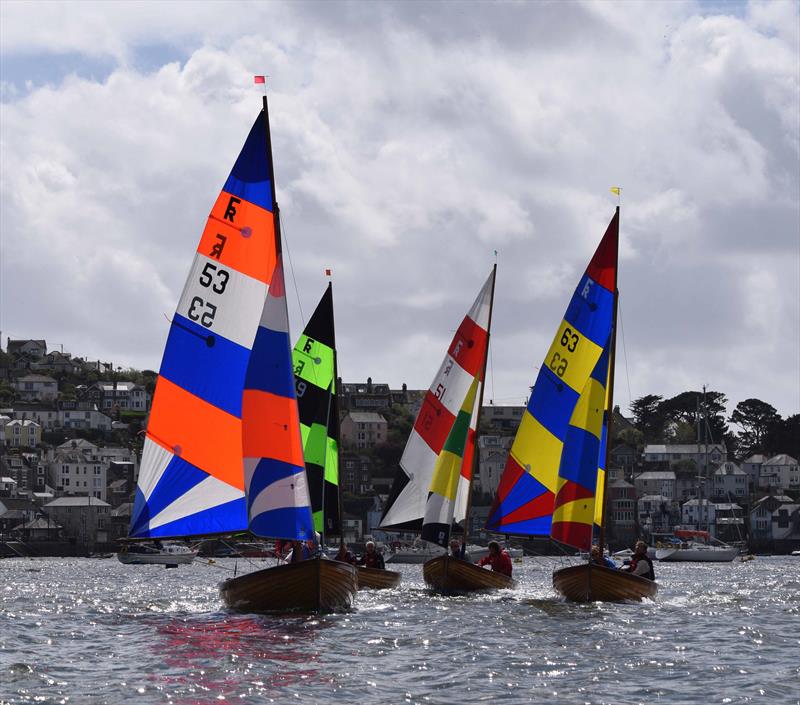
(271, 427)
(198, 432)
(227, 240)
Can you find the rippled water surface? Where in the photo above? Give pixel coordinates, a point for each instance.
(96, 631)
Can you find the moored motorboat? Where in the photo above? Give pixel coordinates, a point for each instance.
(377, 578)
(588, 582)
(450, 575)
(171, 554)
(313, 585)
(696, 547)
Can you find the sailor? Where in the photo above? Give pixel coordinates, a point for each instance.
(371, 558)
(640, 562)
(344, 555)
(498, 559)
(458, 549)
(599, 559)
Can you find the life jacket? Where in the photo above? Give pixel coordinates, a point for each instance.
(372, 560)
(650, 574)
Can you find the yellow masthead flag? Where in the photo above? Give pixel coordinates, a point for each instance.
(616, 189)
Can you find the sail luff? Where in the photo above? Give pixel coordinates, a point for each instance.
(474, 441)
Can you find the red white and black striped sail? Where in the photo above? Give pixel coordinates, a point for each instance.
(461, 365)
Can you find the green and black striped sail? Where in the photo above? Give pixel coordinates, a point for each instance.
(314, 361)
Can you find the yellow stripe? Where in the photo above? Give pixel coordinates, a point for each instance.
(598, 516)
(588, 412)
(445, 475)
(538, 451)
(581, 511)
(572, 366)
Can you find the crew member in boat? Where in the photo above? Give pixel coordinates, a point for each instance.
(344, 555)
(498, 559)
(599, 559)
(303, 550)
(458, 549)
(640, 562)
(371, 558)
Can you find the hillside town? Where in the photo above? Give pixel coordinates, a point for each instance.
(71, 432)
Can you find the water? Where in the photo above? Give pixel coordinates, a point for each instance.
(94, 631)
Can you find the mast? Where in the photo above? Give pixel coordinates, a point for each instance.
(705, 456)
(610, 397)
(271, 165)
(337, 421)
(477, 453)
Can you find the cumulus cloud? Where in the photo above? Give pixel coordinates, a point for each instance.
(411, 140)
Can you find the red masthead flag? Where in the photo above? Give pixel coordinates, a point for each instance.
(259, 79)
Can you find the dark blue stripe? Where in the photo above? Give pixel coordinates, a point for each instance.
(600, 371)
(249, 178)
(592, 315)
(268, 471)
(207, 365)
(288, 523)
(178, 478)
(601, 457)
(552, 402)
(579, 458)
(231, 516)
(270, 368)
(532, 527)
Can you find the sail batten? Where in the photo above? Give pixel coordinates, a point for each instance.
(526, 496)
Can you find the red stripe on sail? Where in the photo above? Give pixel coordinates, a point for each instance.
(469, 346)
(469, 454)
(433, 422)
(603, 267)
(571, 492)
(539, 507)
(572, 533)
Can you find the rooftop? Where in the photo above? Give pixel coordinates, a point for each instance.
(77, 502)
(366, 417)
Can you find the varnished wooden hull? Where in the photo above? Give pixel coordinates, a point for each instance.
(315, 585)
(450, 575)
(595, 583)
(377, 579)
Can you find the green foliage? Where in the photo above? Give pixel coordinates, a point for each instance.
(754, 417)
(649, 417)
(783, 436)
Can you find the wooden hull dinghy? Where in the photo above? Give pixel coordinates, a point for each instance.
(314, 585)
(596, 583)
(377, 579)
(450, 575)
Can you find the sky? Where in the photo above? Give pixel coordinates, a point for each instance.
(411, 141)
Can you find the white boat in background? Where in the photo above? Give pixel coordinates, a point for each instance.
(170, 554)
(696, 547)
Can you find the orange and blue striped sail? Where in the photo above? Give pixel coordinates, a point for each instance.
(576, 488)
(276, 487)
(191, 480)
(525, 497)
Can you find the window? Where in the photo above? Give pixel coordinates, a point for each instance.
(66, 482)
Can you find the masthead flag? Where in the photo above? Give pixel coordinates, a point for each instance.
(259, 79)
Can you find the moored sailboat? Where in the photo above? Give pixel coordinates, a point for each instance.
(554, 480)
(223, 451)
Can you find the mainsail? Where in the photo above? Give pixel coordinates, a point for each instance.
(314, 361)
(191, 480)
(526, 494)
(462, 364)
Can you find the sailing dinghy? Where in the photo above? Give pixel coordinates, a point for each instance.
(432, 488)
(223, 451)
(554, 480)
(315, 367)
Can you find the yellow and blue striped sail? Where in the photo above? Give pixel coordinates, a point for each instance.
(525, 497)
(574, 507)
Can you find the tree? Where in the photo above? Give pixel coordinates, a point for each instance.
(684, 407)
(754, 417)
(648, 417)
(783, 436)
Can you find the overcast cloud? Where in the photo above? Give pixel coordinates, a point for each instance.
(411, 141)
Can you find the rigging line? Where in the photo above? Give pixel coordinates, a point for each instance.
(491, 369)
(291, 268)
(624, 350)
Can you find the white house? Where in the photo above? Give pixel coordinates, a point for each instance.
(654, 512)
(674, 453)
(729, 480)
(75, 473)
(35, 388)
(655, 482)
(492, 455)
(752, 467)
(699, 514)
(780, 471)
